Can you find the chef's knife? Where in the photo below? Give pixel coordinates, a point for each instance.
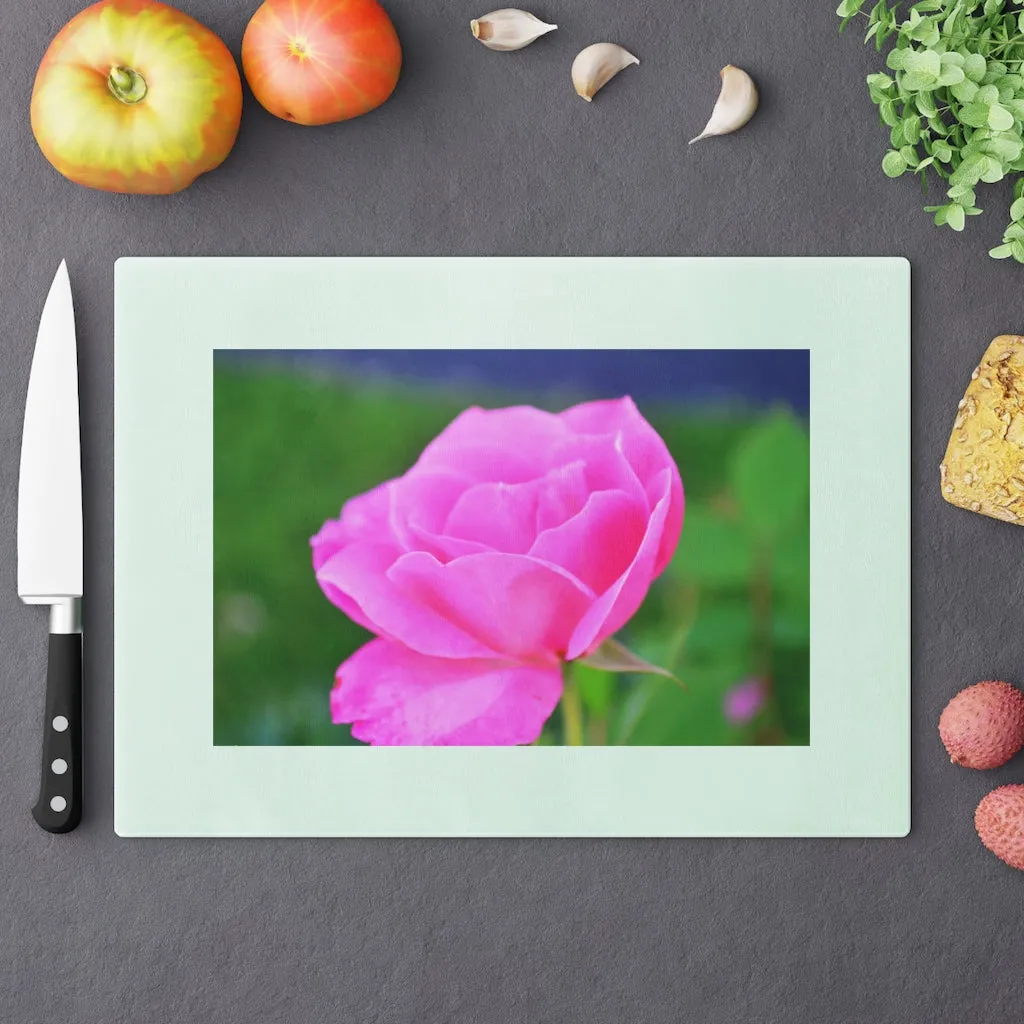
(50, 548)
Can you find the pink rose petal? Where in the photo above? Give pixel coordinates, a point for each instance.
(599, 543)
(499, 517)
(364, 516)
(604, 467)
(638, 440)
(617, 605)
(394, 696)
(360, 571)
(512, 604)
(496, 445)
(646, 453)
(420, 506)
(507, 517)
(566, 493)
(333, 537)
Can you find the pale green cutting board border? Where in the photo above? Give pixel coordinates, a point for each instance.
(854, 316)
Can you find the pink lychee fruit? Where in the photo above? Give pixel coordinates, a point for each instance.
(983, 725)
(999, 820)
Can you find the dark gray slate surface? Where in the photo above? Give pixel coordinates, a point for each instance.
(482, 153)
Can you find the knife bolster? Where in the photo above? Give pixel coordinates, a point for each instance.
(66, 615)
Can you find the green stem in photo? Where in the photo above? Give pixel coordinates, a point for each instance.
(770, 731)
(761, 608)
(572, 713)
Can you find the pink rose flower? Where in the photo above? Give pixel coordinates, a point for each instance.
(519, 540)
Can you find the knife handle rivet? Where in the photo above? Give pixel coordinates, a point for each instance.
(59, 766)
(60, 723)
(58, 804)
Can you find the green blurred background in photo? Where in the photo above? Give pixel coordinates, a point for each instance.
(295, 437)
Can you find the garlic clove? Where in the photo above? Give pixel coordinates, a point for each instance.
(508, 29)
(735, 105)
(596, 65)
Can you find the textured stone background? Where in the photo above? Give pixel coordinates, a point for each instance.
(481, 153)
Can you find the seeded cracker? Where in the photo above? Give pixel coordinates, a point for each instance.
(983, 470)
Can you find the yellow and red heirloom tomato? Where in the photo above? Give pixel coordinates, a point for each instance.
(135, 96)
(320, 61)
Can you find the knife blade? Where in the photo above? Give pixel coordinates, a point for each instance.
(50, 547)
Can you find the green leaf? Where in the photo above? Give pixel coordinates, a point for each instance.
(941, 151)
(974, 67)
(771, 475)
(964, 194)
(955, 217)
(1000, 252)
(994, 70)
(723, 624)
(1017, 210)
(612, 656)
(1004, 147)
(713, 552)
(964, 91)
(1013, 232)
(897, 59)
(999, 118)
(893, 164)
(926, 61)
(848, 8)
(974, 114)
(918, 81)
(1017, 249)
(951, 75)
(991, 170)
(791, 564)
(925, 32)
(887, 111)
(967, 175)
(911, 129)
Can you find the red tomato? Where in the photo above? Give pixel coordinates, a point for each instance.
(134, 96)
(320, 61)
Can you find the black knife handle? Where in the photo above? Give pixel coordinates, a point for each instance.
(59, 807)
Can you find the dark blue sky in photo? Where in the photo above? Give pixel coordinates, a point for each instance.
(753, 377)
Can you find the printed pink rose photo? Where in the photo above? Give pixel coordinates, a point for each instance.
(511, 548)
(519, 541)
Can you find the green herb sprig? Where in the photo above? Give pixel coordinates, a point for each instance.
(954, 103)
